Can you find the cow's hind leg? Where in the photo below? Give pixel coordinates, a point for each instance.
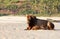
(50, 26)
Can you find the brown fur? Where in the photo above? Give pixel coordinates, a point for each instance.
(36, 24)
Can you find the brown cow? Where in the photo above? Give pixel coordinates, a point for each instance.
(36, 24)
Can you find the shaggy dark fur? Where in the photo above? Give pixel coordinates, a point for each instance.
(36, 24)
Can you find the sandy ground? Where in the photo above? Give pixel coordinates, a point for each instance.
(12, 27)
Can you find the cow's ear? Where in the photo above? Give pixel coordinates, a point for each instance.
(27, 16)
(34, 17)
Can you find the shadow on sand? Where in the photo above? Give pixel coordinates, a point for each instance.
(57, 29)
(53, 20)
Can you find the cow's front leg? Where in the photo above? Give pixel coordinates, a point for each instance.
(28, 28)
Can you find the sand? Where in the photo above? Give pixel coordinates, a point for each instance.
(12, 27)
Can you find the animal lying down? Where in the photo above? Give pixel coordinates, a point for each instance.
(38, 24)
